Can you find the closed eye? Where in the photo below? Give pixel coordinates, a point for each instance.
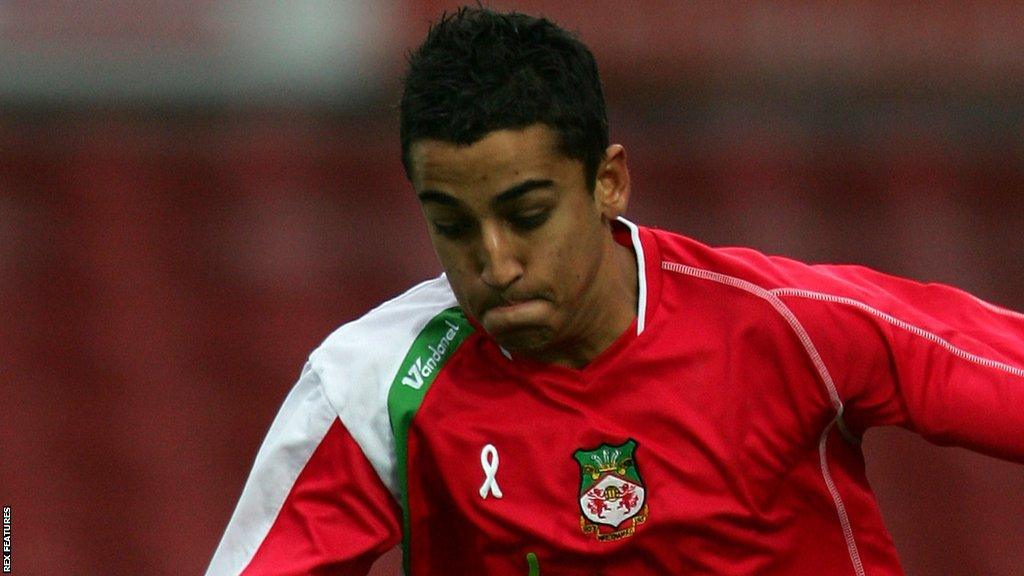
(453, 230)
(529, 220)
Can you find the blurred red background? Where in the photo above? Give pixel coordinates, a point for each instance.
(192, 198)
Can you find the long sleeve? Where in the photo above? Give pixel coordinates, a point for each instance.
(313, 503)
(927, 357)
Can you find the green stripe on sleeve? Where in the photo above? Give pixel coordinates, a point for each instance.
(429, 351)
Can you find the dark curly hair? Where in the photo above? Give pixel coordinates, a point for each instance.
(479, 71)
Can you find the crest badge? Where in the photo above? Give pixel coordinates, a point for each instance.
(613, 498)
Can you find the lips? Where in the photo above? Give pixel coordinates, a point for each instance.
(510, 313)
(509, 302)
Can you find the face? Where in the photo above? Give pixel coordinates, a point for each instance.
(527, 247)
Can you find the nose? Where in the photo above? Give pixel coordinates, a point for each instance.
(500, 265)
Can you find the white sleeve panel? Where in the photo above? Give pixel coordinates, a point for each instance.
(360, 360)
(347, 378)
(298, 429)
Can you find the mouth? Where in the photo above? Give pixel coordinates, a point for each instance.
(511, 304)
(510, 313)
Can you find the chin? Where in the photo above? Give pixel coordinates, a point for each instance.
(528, 341)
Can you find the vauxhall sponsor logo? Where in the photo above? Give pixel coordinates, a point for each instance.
(421, 369)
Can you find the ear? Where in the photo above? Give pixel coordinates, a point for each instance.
(611, 189)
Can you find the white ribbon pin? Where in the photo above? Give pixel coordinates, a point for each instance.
(489, 462)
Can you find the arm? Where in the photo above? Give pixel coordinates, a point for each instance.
(313, 504)
(930, 358)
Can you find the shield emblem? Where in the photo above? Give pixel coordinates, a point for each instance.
(612, 498)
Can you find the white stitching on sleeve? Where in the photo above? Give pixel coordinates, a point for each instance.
(917, 331)
(772, 298)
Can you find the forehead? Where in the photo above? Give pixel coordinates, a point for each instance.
(500, 159)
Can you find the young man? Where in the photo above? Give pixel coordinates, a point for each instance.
(580, 395)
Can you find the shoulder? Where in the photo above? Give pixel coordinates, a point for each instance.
(357, 364)
(362, 357)
(756, 271)
(382, 334)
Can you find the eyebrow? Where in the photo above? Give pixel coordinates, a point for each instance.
(505, 197)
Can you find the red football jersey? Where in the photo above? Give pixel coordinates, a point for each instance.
(718, 435)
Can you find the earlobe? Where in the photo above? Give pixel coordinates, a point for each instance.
(613, 183)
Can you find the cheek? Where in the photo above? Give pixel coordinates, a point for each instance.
(563, 265)
(459, 271)
(453, 268)
(578, 258)
(452, 259)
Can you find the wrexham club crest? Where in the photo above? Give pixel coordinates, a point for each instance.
(612, 494)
